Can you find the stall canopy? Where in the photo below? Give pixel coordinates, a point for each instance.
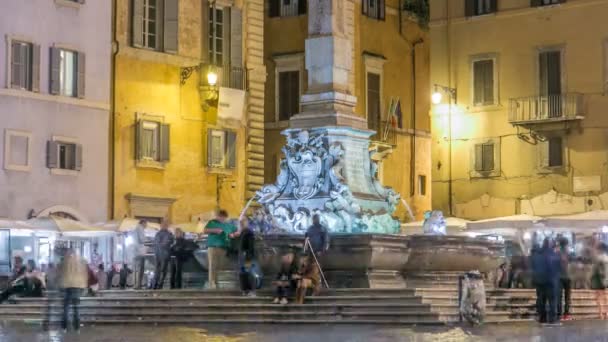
(590, 220)
(515, 221)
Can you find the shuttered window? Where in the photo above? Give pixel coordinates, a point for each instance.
(484, 157)
(374, 9)
(286, 8)
(373, 101)
(25, 66)
(422, 185)
(480, 7)
(483, 82)
(152, 141)
(64, 155)
(67, 73)
(536, 3)
(221, 149)
(216, 35)
(289, 94)
(550, 81)
(555, 153)
(154, 24)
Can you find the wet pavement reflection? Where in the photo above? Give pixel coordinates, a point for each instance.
(568, 332)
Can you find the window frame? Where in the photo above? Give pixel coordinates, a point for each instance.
(422, 185)
(288, 63)
(35, 78)
(380, 13)
(163, 128)
(495, 79)
(496, 172)
(62, 86)
(66, 140)
(157, 26)
(562, 65)
(544, 153)
(375, 65)
(8, 134)
(276, 9)
(155, 141)
(225, 165)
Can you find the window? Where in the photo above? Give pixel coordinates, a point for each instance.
(287, 8)
(64, 155)
(556, 158)
(67, 73)
(484, 157)
(24, 66)
(374, 9)
(550, 83)
(153, 141)
(289, 94)
(551, 154)
(154, 24)
(483, 82)
(373, 101)
(606, 66)
(422, 185)
(17, 150)
(479, 7)
(221, 149)
(216, 35)
(536, 3)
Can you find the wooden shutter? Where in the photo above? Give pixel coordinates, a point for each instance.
(469, 8)
(556, 156)
(236, 37)
(302, 7)
(77, 157)
(274, 8)
(535, 3)
(137, 23)
(209, 147)
(18, 60)
(170, 26)
(52, 154)
(543, 154)
(381, 9)
(165, 143)
(488, 81)
(36, 67)
(479, 157)
(493, 6)
(294, 93)
(488, 157)
(554, 73)
(230, 149)
(54, 84)
(80, 82)
(365, 7)
(139, 134)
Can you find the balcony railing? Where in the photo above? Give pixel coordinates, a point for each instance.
(560, 107)
(385, 134)
(228, 76)
(290, 9)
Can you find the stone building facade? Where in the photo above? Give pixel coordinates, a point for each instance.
(54, 108)
(528, 132)
(175, 154)
(375, 55)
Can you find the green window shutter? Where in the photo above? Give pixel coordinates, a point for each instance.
(209, 147)
(54, 84)
(302, 7)
(78, 157)
(479, 157)
(52, 154)
(139, 127)
(80, 82)
(274, 8)
(36, 67)
(165, 143)
(137, 23)
(381, 9)
(365, 7)
(170, 26)
(230, 149)
(236, 37)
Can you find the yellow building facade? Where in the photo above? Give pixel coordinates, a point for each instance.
(176, 62)
(390, 64)
(526, 131)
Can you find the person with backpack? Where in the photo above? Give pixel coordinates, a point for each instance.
(218, 242)
(599, 279)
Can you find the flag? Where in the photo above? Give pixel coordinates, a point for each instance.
(398, 115)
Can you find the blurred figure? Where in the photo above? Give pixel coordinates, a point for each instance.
(30, 284)
(110, 278)
(123, 276)
(218, 242)
(139, 260)
(539, 279)
(162, 252)
(182, 250)
(248, 272)
(96, 257)
(51, 277)
(501, 279)
(73, 272)
(599, 278)
(565, 281)
(551, 284)
(102, 278)
(18, 268)
(286, 278)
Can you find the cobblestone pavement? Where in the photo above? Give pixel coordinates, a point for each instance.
(569, 332)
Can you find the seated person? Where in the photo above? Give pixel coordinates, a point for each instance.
(29, 284)
(308, 277)
(285, 280)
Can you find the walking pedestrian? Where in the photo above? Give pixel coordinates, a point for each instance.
(318, 243)
(162, 251)
(539, 279)
(563, 311)
(102, 278)
(73, 280)
(552, 285)
(138, 236)
(218, 242)
(182, 250)
(599, 278)
(247, 266)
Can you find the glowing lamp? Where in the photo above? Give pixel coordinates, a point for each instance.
(212, 78)
(436, 97)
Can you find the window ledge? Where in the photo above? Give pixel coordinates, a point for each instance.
(64, 172)
(485, 174)
(277, 124)
(21, 168)
(150, 164)
(67, 3)
(552, 170)
(220, 171)
(486, 108)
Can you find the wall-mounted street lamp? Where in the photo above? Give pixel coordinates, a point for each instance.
(212, 78)
(436, 98)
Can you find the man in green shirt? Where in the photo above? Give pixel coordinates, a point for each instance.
(218, 231)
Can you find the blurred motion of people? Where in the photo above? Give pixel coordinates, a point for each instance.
(138, 236)
(162, 251)
(74, 276)
(218, 242)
